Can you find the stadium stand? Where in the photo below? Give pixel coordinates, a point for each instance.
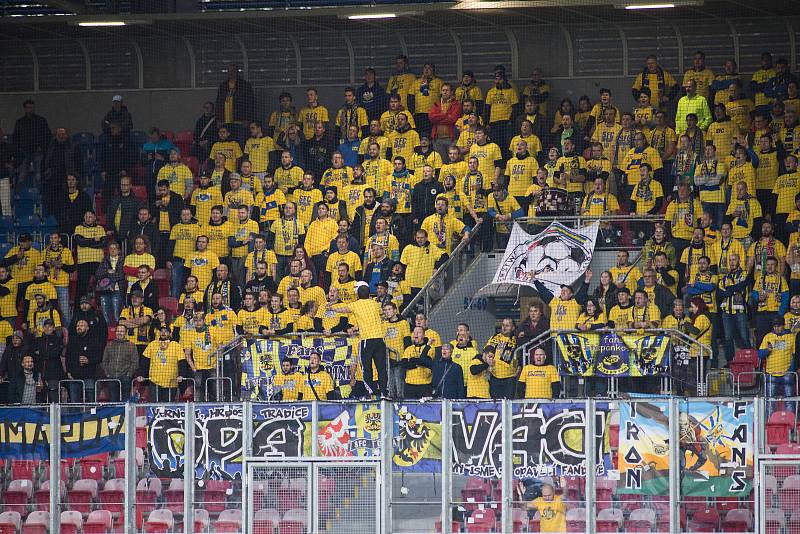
(348, 231)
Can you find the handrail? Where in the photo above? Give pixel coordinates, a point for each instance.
(601, 218)
(456, 253)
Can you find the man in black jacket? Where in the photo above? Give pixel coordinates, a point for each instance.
(423, 196)
(378, 269)
(146, 286)
(31, 137)
(118, 155)
(48, 355)
(167, 210)
(146, 226)
(62, 157)
(118, 114)
(84, 354)
(122, 210)
(317, 151)
(98, 328)
(447, 377)
(71, 204)
(238, 91)
(205, 132)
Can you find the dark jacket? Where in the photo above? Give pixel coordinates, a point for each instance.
(527, 331)
(47, 352)
(32, 134)
(173, 208)
(117, 275)
(98, 328)
(385, 268)
(150, 294)
(372, 99)
(16, 386)
(148, 229)
(122, 117)
(447, 379)
(60, 159)
(423, 199)
(86, 345)
(11, 361)
(118, 154)
(244, 100)
(210, 134)
(233, 290)
(664, 298)
(317, 154)
(10, 158)
(255, 286)
(69, 213)
(129, 205)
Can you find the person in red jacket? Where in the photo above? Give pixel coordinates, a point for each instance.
(443, 116)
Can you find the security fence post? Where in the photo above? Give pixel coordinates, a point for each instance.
(188, 469)
(314, 428)
(55, 466)
(385, 473)
(508, 470)
(674, 460)
(131, 469)
(247, 452)
(447, 467)
(589, 445)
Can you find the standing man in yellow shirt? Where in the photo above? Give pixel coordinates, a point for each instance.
(424, 92)
(227, 147)
(90, 239)
(312, 114)
(500, 108)
(760, 81)
(182, 238)
(663, 87)
(258, 149)
(401, 82)
(701, 75)
(244, 229)
(366, 316)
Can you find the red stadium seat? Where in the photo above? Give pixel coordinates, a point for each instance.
(709, 517)
(779, 427)
(17, 495)
(82, 495)
(10, 522)
(23, 469)
(192, 163)
(98, 522)
(37, 523)
(173, 497)
(454, 527)
(93, 467)
(170, 305)
(140, 192)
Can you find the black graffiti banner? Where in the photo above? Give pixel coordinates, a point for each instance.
(547, 439)
(281, 430)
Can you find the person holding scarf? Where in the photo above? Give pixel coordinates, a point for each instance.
(351, 114)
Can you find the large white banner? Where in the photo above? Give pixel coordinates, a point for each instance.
(557, 255)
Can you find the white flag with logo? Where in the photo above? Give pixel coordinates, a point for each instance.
(557, 255)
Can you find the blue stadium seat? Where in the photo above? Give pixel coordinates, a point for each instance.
(7, 232)
(50, 225)
(28, 193)
(31, 224)
(24, 208)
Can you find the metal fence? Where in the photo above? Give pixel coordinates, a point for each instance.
(659, 464)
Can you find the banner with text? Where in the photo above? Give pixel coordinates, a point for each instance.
(643, 456)
(25, 432)
(716, 448)
(282, 430)
(349, 429)
(611, 354)
(261, 361)
(547, 439)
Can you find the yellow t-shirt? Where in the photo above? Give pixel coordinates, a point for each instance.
(425, 94)
(683, 217)
(501, 101)
(635, 158)
(22, 270)
(8, 303)
(375, 171)
(403, 144)
(419, 262)
(722, 134)
(786, 187)
(349, 258)
(257, 150)
(164, 363)
(389, 121)
(366, 315)
(217, 237)
(88, 254)
(487, 155)
(337, 177)
(240, 197)
(319, 236)
(202, 265)
(310, 116)
(230, 149)
(552, 514)
(204, 350)
(322, 384)
(712, 193)
(306, 200)
(396, 332)
(466, 357)
(185, 236)
(250, 321)
(269, 205)
(458, 170)
(381, 140)
(442, 231)
(750, 211)
(739, 111)
(64, 255)
(599, 205)
(606, 135)
(534, 144)
(203, 200)
(780, 357)
(288, 178)
(771, 286)
(538, 380)
(505, 365)
(289, 385)
(572, 165)
(137, 336)
(521, 173)
(507, 206)
(42, 288)
(239, 231)
(179, 176)
(419, 375)
(432, 158)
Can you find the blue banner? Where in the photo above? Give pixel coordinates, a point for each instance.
(25, 432)
(417, 438)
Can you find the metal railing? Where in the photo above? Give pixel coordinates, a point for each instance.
(444, 276)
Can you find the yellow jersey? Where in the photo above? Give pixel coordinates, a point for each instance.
(488, 155)
(538, 381)
(403, 144)
(230, 149)
(164, 363)
(521, 173)
(184, 235)
(308, 117)
(86, 254)
(501, 100)
(203, 200)
(179, 176)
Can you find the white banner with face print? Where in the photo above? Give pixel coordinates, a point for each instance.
(557, 255)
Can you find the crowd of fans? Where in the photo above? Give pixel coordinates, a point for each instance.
(293, 224)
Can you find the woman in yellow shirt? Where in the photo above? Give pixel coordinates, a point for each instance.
(592, 317)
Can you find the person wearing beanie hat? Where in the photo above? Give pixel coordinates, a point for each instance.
(118, 114)
(337, 209)
(468, 90)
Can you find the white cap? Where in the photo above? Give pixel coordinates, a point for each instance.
(116, 98)
(360, 283)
